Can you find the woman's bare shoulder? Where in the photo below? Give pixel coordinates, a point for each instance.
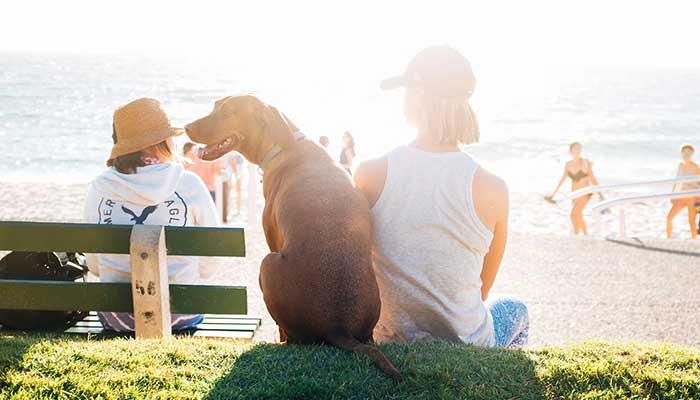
(490, 183)
(370, 177)
(491, 198)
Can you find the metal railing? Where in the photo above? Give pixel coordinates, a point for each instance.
(624, 201)
(606, 188)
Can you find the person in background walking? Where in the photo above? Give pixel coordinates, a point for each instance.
(208, 171)
(685, 168)
(347, 154)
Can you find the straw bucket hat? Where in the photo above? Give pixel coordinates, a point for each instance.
(139, 125)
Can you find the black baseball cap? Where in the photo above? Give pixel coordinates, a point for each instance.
(440, 70)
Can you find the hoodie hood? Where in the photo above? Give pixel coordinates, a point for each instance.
(151, 184)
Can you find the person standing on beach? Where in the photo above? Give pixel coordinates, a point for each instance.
(687, 167)
(146, 184)
(207, 170)
(347, 154)
(440, 221)
(580, 171)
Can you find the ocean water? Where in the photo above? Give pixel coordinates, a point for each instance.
(56, 109)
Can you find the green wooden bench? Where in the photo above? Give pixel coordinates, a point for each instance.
(148, 296)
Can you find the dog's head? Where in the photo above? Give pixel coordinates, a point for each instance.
(244, 124)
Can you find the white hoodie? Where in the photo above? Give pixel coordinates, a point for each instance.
(162, 194)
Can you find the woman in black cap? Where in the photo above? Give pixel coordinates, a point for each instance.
(440, 220)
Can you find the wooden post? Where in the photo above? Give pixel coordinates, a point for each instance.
(149, 282)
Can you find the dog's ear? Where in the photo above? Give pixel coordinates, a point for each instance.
(290, 123)
(279, 127)
(220, 102)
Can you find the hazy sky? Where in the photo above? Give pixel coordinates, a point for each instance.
(514, 33)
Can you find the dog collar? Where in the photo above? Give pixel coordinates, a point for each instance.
(275, 150)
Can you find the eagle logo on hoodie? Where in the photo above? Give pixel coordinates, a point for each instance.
(172, 211)
(144, 214)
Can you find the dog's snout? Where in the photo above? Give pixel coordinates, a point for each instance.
(194, 131)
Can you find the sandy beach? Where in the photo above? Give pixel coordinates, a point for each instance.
(576, 288)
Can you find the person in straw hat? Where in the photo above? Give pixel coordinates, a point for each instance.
(145, 184)
(439, 219)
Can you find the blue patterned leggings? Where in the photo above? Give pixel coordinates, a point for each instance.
(510, 320)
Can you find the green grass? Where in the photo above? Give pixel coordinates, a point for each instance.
(43, 367)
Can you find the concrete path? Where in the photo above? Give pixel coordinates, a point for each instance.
(581, 288)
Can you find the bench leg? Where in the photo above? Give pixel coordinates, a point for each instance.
(149, 282)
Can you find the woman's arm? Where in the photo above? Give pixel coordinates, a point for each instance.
(370, 177)
(492, 260)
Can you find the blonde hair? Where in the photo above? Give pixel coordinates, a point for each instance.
(449, 120)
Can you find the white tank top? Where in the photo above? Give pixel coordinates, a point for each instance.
(429, 248)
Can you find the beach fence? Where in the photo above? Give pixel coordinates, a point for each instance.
(624, 201)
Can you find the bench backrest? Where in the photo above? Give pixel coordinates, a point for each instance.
(115, 239)
(148, 246)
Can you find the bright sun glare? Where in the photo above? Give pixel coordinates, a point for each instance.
(363, 33)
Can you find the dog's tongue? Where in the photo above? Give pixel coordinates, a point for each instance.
(214, 151)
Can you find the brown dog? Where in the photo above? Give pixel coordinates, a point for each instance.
(317, 282)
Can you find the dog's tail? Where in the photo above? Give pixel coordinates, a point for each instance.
(344, 341)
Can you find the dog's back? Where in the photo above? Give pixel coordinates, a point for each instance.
(325, 266)
(325, 223)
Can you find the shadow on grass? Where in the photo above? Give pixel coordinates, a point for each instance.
(13, 348)
(430, 370)
(639, 244)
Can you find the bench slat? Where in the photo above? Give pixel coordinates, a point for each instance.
(208, 319)
(228, 321)
(116, 297)
(204, 326)
(114, 239)
(231, 316)
(224, 334)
